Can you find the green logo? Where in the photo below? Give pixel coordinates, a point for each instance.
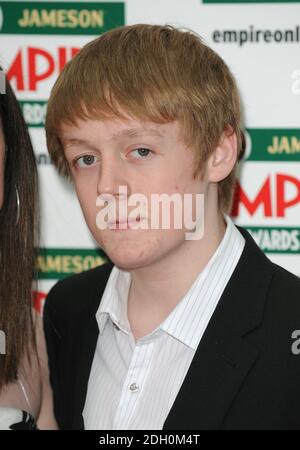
(60, 18)
(34, 112)
(272, 144)
(57, 263)
(277, 239)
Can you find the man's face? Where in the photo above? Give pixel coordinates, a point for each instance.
(2, 153)
(145, 158)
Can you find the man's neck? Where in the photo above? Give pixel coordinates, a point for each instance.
(156, 290)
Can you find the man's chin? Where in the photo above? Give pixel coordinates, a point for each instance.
(129, 262)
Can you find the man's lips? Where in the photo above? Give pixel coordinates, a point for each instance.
(123, 224)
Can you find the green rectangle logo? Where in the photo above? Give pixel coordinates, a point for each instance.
(34, 112)
(273, 144)
(283, 240)
(58, 263)
(76, 18)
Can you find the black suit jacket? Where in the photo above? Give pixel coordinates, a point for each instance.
(244, 374)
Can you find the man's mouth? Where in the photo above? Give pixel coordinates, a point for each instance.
(123, 224)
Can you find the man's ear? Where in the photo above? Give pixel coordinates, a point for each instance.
(223, 159)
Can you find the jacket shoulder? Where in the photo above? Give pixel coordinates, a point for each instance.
(286, 281)
(284, 297)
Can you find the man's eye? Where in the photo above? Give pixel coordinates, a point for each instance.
(141, 152)
(86, 160)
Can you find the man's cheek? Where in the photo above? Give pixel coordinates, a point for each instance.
(88, 205)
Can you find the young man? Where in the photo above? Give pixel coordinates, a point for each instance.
(174, 332)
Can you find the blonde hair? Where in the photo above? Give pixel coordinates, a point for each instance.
(153, 73)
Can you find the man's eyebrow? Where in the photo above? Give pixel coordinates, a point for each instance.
(68, 142)
(137, 131)
(130, 132)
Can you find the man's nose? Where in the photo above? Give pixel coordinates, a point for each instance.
(111, 179)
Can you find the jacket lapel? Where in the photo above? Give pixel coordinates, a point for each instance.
(223, 357)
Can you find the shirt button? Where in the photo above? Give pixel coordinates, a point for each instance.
(133, 387)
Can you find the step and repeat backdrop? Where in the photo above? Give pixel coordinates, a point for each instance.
(260, 41)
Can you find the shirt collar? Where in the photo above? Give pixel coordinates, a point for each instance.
(188, 320)
(114, 300)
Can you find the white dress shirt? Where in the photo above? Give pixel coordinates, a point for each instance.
(133, 385)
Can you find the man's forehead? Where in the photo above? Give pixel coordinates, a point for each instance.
(114, 129)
